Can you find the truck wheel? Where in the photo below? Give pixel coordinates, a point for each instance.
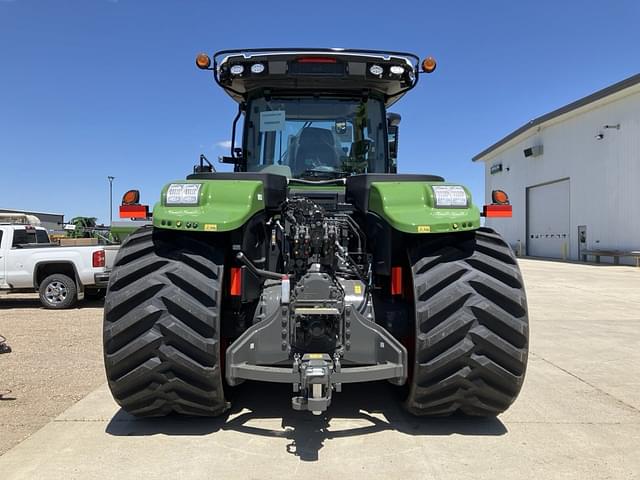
(472, 328)
(58, 291)
(162, 325)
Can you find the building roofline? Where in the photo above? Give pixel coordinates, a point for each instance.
(594, 97)
(15, 210)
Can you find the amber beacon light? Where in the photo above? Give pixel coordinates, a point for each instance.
(428, 65)
(203, 61)
(500, 206)
(131, 197)
(500, 197)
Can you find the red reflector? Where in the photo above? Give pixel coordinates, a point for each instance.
(134, 211)
(317, 60)
(235, 287)
(98, 259)
(497, 211)
(396, 280)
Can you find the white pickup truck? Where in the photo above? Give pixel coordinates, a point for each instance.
(62, 275)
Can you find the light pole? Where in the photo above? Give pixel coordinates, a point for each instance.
(110, 178)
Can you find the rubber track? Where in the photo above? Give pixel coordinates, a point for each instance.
(472, 329)
(161, 326)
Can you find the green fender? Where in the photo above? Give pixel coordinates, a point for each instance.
(410, 207)
(223, 205)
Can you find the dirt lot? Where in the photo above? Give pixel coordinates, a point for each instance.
(56, 360)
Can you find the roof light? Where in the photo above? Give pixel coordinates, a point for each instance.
(317, 60)
(376, 70)
(428, 65)
(203, 61)
(237, 69)
(397, 69)
(257, 68)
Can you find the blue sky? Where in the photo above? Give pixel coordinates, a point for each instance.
(90, 88)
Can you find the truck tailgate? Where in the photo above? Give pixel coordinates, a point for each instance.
(110, 252)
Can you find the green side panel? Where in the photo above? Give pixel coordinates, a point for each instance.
(410, 207)
(224, 205)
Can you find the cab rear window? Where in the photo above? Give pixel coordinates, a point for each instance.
(23, 236)
(41, 236)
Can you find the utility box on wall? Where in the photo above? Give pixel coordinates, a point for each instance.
(535, 151)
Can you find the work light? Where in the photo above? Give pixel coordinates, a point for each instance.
(376, 70)
(237, 69)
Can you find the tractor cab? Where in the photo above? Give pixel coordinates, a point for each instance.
(315, 114)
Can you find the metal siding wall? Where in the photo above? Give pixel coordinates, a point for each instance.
(47, 220)
(605, 175)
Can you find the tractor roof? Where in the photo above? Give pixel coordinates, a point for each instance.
(317, 71)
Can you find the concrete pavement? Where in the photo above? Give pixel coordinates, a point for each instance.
(578, 415)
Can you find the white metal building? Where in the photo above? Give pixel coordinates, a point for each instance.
(572, 174)
(53, 222)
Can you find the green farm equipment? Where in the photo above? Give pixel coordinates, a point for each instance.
(314, 263)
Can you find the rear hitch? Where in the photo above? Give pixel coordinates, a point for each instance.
(315, 370)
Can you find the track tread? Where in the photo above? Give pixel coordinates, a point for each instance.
(471, 325)
(161, 326)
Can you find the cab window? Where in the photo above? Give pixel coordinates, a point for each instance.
(41, 236)
(23, 236)
(316, 137)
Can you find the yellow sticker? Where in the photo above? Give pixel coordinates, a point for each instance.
(357, 288)
(424, 228)
(315, 356)
(210, 227)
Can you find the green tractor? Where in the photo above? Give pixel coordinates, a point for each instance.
(314, 263)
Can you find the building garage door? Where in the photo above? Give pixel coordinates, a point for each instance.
(548, 220)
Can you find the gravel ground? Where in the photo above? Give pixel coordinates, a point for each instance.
(56, 360)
